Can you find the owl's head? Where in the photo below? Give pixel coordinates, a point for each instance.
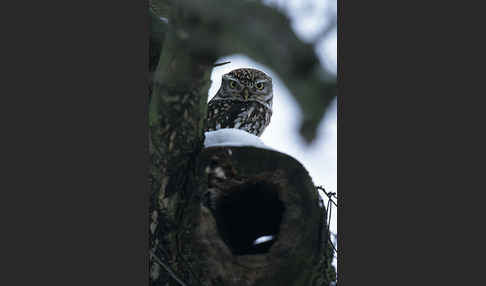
(247, 85)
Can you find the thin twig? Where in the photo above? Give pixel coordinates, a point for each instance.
(167, 268)
(329, 225)
(329, 195)
(333, 247)
(221, 64)
(329, 213)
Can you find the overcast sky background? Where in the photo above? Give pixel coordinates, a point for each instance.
(308, 18)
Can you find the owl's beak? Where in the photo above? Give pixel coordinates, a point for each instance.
(246, 94)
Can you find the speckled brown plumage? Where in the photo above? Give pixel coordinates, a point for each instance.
(244, 101)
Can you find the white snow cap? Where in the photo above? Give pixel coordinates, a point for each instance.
(233, 137)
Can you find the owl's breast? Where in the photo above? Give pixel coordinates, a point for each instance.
(250, 116)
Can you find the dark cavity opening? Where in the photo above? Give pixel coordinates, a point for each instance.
(249, 218)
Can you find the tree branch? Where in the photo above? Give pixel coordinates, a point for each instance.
(196, 34)
(255, 192)
(265, 34)
(177, 113)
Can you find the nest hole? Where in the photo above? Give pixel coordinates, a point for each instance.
(249, 218)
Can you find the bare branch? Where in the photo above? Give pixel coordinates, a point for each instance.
(221, 64)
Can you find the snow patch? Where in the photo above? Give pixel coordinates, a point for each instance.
(263, 239)
(233, 137)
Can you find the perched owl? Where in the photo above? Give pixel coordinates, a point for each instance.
(244, 101)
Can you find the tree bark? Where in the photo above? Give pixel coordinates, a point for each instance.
(252, 193)
(192, 225)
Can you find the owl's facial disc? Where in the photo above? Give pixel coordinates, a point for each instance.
(247, 85)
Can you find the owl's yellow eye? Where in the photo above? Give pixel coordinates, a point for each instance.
(259, 85)
(232, 84)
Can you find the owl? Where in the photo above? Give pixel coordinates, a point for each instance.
(244, 101)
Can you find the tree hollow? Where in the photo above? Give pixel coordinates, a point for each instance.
(260, 222)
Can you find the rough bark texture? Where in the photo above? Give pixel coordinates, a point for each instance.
(191, 242)
(256, 192)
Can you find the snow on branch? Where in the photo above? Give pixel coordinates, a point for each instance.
(232, 137)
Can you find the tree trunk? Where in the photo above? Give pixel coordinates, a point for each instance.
(247, 193)
(208, 206)
(252, 193)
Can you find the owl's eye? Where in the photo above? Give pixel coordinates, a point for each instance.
(259, 86)
(232, 84)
